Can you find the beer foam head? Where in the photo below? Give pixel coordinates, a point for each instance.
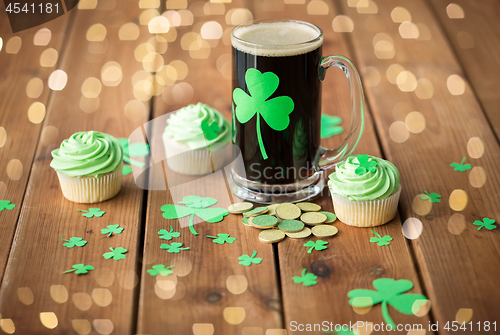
(273, 39)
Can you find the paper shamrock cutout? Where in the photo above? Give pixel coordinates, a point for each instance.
(174, 248)
(116, 254)
(112, 229)
(365, 165)
(275, 112)
(389, 291)
(341, 332)
(92, 212)
(5, 204)
(461, 167)
(209, 131)
(74, 241)
(168, 235)
(246, 260)
(308, 279)
(222, 238)
(486, 223)
(132, 150)
(433, 197)
(330, 126)
(160, 269)
(318, 245)
(381, 240)
(195, 205)
(80, 269)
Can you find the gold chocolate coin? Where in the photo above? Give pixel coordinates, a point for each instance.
(272, 209)
(306, 232)
(313, 218)
(256, 211)
(324, 230)
(288, 211)
(240, 207)
(271, 236)
(308, 207)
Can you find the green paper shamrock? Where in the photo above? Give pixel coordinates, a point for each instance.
(381, 240)
(308, 279)
(92, 212)
(80, 269)
(174, 248)
(461, 167)
(275, 112)
(433, 197)
(168, 235)
(222, 238)
(341, 332)
(389, 291)
(132, 150)
(195, 205)
(486, 223)
(330, 126)
(209, 131)
(318, 245)
(112, 229)
(5, 204)
(246, 260)
(74, 241)
(364, 165)
(116, 254)
(126, 170)
(160, 269)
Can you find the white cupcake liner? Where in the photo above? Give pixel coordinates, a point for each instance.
(366, 213)
(89, 189)
(183, 160)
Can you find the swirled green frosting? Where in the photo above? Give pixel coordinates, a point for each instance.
(379, 184)
(185, 126)
(87, 154)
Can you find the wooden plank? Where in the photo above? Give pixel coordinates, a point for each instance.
(455, 258)
(213, 291)
(34, 284)
(473, 30)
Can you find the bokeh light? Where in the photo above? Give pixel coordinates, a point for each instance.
(111, 74)
(412, 228)
(96, 33)
(82, 301)
(58, 80)
(7, 325)
(48, 58)
(129, 32)
(464, 315)
(420, 206)
(398, 132)
(475, 147)
(342, 24)
(49, 319)
(406, 81)
(14, 169)
(211, 30)
(408, 30)
(203, 329)
(456, 224)
(3, 136)
(458, 200)
(317, 7)
(42, 37)
(455, 84)
(89, 105)
(103, 326)
(415, 122)
(424, 89)
(366, 7)
(371, 76)
(236, 16)
(149, 4)
(393, 71)
(383, 46)
(87, 4)
(477, 177)
(421, 307)
(25, 295)
(91, 87)
(237, 284)
(34, 88)
(81, 326)
(13, 45)
(102, 297)
(400, 14)
(158, 25)
(59, 293)
(454, 11)
(234, 315)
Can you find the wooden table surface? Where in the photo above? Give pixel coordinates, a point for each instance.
(431, 72)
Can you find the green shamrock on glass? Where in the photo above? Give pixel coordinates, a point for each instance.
(132, 150)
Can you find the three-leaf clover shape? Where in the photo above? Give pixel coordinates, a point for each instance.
(116, 253)
(132, 150)
(222, 238)
(160, 269)
(168, 235)
(92, 212)
(174, 248)
(365, 165)
(433, 197)
(486, 223)
(461, 167)
(318, 245)
(330, 125)
(307, 279)
(275, 112)
(5, 204)
(247, 260)
(74, 241)
(112, 229)
(80, 269)
(195, 205)
(381, 240)
(209, 130)
(388, 292)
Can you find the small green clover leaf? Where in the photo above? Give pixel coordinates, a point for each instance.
(80, 269)
(222, 238)
(132, 150)
(308, 279)
(209, 131)
(116, 254)
(112, 229)
(92, 212)
(74, 241)
(381, 240)
(275, 112)
(341, 332)
(160, 269)
(246, 260)
(461, 167)
(318, 245)
(195, 205)
(330, 126)
(5, 204)
(365, 165)
(433, 197)
(174, 248)
(168, 235)
(126, 170)
(486, 223)
(389, 292)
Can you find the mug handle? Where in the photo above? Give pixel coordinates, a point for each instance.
(326, 158)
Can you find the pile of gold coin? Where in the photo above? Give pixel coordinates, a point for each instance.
(278, 221)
